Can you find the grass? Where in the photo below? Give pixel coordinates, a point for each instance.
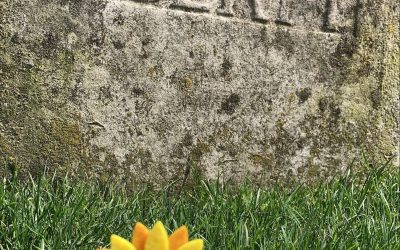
(345, 213)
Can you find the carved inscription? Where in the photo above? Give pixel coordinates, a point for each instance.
(191, 5)
(325, 15)
(226, 9)
(333, 13)
(283, 15)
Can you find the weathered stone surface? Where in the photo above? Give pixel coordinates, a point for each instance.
(278, 89)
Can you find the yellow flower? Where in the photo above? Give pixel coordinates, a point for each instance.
(156, 239)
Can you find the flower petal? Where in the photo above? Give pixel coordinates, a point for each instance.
(139, 235)
(119, 243)
(193, 245)
(158, 238)
(178, 238)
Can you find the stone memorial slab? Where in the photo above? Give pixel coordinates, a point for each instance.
(275, 90)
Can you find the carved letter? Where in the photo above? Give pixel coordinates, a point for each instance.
(283, 17)
(226, 9)
(333, 13)
(191, 5)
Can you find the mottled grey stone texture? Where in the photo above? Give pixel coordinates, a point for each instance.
(274, 90)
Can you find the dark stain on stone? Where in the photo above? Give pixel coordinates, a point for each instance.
(232, 152)
(347, 46)
(376, 98)
(50, 42)
(335, 112)
(97, 25)
(283, 39)
(344, 51)
(177, 151)
(139, 133)
(303, 95)
(191, 54)
(187, 140)
(119, 19)
(105, 93)
(301, 143)
(323, 104)
(146, 41)
(365, 69)
(118, 44)
(51, 39)
(96, 40)
(69, 57)
(74, 94)
(199, 150)
(226, 67)
(15, 38)
(137, 91)
(230, 104)
(327, 104)
(263, 35)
